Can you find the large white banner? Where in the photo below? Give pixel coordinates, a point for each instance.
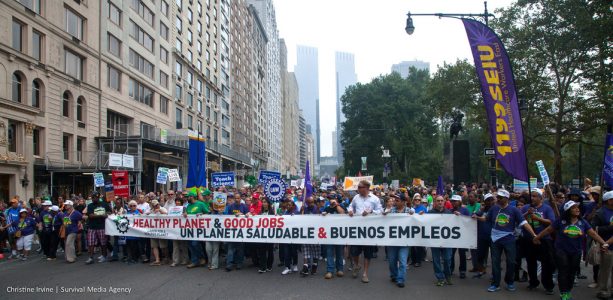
(433, 230)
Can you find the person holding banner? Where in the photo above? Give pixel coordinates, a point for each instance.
(290, 251)
(398, 255)
(179, 248)
(235, 251)
(363, 204)
(458, 209)
(265, 251)
(504, 219)
(334, 253)
(310, 252)
(418, 254)
(196, 208)
(157, 244)
(484, 231)
(132, 243)
(441, 257)
(539, 216)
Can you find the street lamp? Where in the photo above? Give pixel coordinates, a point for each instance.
(410, 28)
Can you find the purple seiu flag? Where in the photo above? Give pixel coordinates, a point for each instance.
(607, 168)
(440, 186)
(308, 186)
(499, 96)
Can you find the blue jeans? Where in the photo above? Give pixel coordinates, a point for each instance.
(441, 270)
(334, 257)
(195, 250)
(235, 255)
(397, 259)
(510, 251)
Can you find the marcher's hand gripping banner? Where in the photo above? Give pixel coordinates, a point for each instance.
(449, 231)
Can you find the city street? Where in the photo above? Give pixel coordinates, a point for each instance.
(164, 282)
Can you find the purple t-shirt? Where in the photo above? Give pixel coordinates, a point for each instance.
(27, 227)
(545, 212)
(71, 221)
(569, 237)
(504, 220)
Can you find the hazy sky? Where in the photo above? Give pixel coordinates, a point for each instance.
(374, 32)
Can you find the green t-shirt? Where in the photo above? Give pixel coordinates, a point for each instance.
(472, 209)
(197, 207)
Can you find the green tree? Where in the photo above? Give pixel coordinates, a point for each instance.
(561, 54)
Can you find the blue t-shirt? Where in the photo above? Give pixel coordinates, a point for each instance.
(27, 227)
(463, 211)
(12, 214)
(420, 208)
(545, 212)
(71, 221)
(236, 208)
(607, 220)
(484, 229)
(569, 237)
(503, 222)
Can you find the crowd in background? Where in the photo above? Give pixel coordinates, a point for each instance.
(552, 230)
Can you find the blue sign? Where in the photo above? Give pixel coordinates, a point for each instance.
(275, 189)
(222, 179)
(265, 176)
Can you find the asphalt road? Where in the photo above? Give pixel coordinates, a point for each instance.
(165, 282)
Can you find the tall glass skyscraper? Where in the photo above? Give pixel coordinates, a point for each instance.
(345, 77)
(307, 74)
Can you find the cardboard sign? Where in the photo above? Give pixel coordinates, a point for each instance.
(351, 183)
(109, 193)
(219, 201)
(223, 179)
(98, 179)
(267, 175)
(173, 175)
(162, 176)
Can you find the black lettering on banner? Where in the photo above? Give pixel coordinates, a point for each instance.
(456, 233)
(333, 232)
(372, 232)
(445, 232)
(352, 231)
(199, 232)
(424, 234)
(251, 234)
(361, 232)
(187, 232)
(295, 233)
(311, 233)
(434, 232)
(380, 232)
(407, 231)
(239, 234)
(393, 230)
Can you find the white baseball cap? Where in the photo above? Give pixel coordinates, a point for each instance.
(569, 204)
(47, 203)
(55, 208)
(607, 196)
(503, 193)
(68, 202)
(456, 198)
(538, 191)
(23, 210)
(488, 195)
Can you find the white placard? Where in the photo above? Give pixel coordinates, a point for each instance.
(173, 175)
(115, 160)
(128, 161)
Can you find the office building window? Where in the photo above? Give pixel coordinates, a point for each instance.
(81, 109)
(164, 7)
(37, 45)
(141, 36)
(179, 45)
(66, 99)
(164, 105)
(140, 92)
(37, 91)
(163, 31)
(163, 79)
(178, 92)
(18, 30)
(36, 142)
(141, 64)
(74, 24)
(18, 87)
(114, 14)
(179, 24)
(179, 118)
(73, 64)
(114, 78)
(66, 140)
(190, 99)
(178, 69)
(114, 45)
(143, 11)
(163, 55)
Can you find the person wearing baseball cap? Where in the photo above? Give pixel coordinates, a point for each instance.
(459, 210)
(484, 231)
(45, 226)
(602, 224)
(71, 220)
(26, 227)
(398, 255)
(539, 216)
(504, 219)
(417, 254)
(570, 231)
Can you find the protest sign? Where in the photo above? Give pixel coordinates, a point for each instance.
(351, 183)
(127, 161)
(109, 193)
(175, 210)
(275, 189)
(430, 230)
(115, 160)
(162, 177)
(98, 179)
(121, 183)
(543, 172)
(267, 175)
(520, 186)
(223, 179)
(219, 201)
(173, 175)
